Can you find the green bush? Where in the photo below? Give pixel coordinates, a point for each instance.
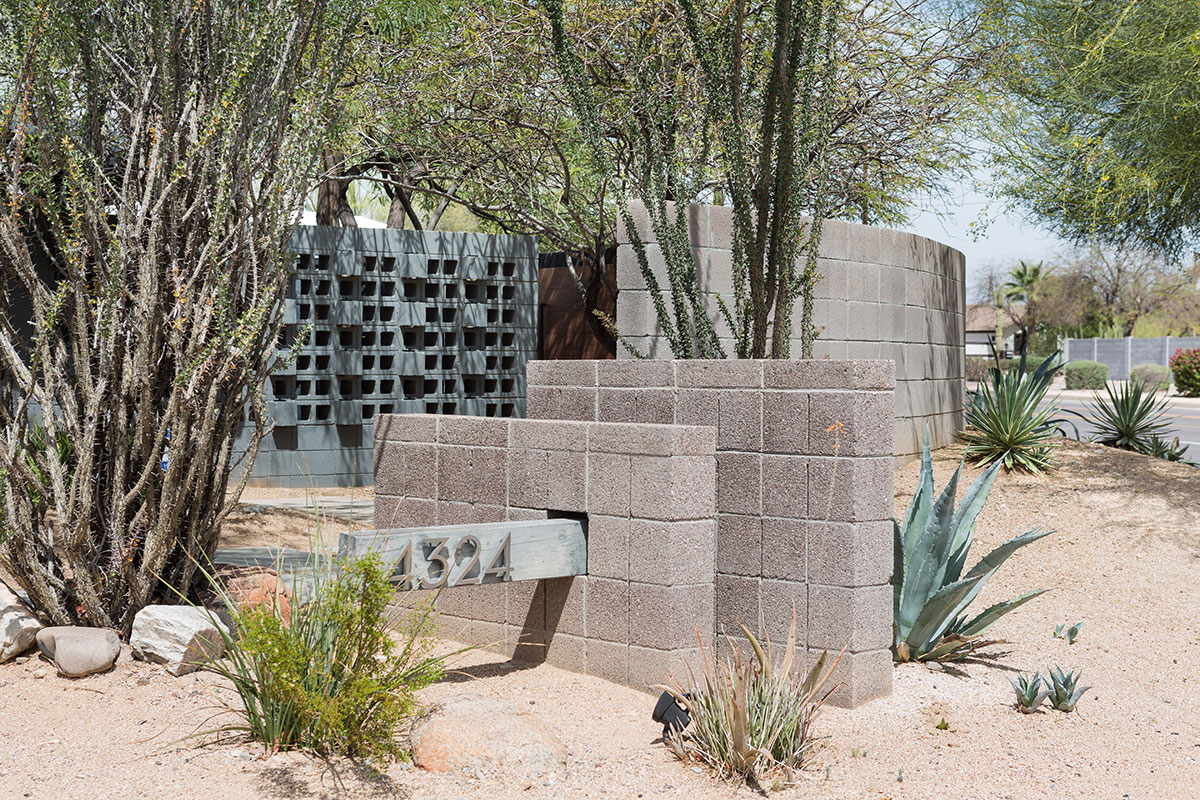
(1130, 418)
(931, 594)
(1151, 376)
(1006, 420)
(1086, 375)
(1185, 368)
(334, 680)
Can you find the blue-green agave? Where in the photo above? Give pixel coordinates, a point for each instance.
(930, 592)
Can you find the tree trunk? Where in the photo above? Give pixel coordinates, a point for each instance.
(333, 207)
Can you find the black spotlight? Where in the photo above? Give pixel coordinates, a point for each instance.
(673, 716)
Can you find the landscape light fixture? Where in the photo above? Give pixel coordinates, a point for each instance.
(673, 717)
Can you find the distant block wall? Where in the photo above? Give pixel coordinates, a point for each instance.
(804, 487)
(647, 494)
(882, 294)
(401, 322)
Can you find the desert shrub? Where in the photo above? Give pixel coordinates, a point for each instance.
(342, 675)
(1086, 375)
(1031, 691)
(978, 369)
(751, 716)
(1007, 422)
(1065, 690)
(1185, 369)
(1130, 418)
(1152, 376)
(931, 594)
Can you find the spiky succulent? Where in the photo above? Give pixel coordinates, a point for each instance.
(1031, 691)
(1070, 634)
(930, 592)
(1007, 421)
(1064, 689)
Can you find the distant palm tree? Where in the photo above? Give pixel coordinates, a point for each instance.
(1023, 286)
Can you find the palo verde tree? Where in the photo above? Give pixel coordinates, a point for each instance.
(156, 154)
(767, 95)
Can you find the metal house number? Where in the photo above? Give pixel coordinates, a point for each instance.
(451, 561)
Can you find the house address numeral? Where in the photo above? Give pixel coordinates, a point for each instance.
(447, 561)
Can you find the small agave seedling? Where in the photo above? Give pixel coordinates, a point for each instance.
(1064, 691)
(1073, 632)
(1031, 691)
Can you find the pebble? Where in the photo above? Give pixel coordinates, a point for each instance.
(41, 673)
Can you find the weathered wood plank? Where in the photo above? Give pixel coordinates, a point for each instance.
(456, 555)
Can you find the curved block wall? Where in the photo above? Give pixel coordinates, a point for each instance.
(882, 294)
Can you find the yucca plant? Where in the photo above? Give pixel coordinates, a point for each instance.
(1006, 421)
(1168, 450)
(930, 593)
(1064, 689)
(1031, 691)
(1129, 418)
(751, 717)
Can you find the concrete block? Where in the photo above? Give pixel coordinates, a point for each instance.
(608, 660)
(607, 613)
(525, 514)
(867, 423)
(649, 667)
(739, 544)
(566, 652)
(651, 440)
(608, 546)
(863, 282)
(780, 601)
(477, 431)
(739, 483)
(785, 422)
(636, 374)
(716, 272)
(835, 239)
(740, 424)
(784, 548)
(864, 244)
(608, 484)
(469, 513)
(806, 374)
(737, 604)
(851, 554)
(486, 602)
(406, 427)
(865, 324)
(698, 407)
(785, 486)
(860, 677)
(637, 405)
(550, 479)
(404, 512)
(832, 283)
(525, 605)
(472, 475)
(666, 617)
(630, 274)
(406, 470)
(850, 490)
(857, 619)
(679, 488)
(720, 227)
(672, 553)
(561, 373)
(560, 402)
(539, 434)
(718, 373)
(830, 316)
(566, 600)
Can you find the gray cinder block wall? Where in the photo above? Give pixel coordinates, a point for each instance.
(1122, 355)
(804, 487)
(647, 493)
(401, 322)
(882, 294)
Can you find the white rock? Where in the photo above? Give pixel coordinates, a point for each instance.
(78, 651)
(18, 626)
(182, 637)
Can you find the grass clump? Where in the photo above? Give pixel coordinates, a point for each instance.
(342, 676)
(751, 716)
(1086, 375)
(1005, 423)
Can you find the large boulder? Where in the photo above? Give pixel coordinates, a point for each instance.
(18, 626)
(469, 731)
(182, 637)
(79, 651)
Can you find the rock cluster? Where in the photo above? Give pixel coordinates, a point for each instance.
(78, 651)
(18, 626)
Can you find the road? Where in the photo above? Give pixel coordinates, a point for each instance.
(1183, 415)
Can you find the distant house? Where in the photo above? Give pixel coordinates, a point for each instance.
(981, 330)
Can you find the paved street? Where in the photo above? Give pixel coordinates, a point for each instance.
(1184, 415)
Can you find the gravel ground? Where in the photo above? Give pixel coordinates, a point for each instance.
(1125, 560)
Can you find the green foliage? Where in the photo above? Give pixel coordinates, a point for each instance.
(1006, 421)
(1152, 376)
(1167, 449)
(930, 592)
(751, 717)
(1064, 689)
(1069, 634)
(1185, 369)
(1086, 375)
(1102, 137)
(1129, 418)
(1031, 691)
(342, 676)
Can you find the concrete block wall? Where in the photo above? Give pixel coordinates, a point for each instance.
(1122, 355)
(882, 294)
(648, 496)
(401, 321)
(804, 487)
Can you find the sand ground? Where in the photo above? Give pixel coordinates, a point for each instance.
(1125, 561)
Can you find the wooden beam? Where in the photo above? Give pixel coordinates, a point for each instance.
(462, 555)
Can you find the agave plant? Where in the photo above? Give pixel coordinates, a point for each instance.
(1129, 418)
(1168, 450)
(1064, 691)
(751, 717)
(1006, 421)
(930, 592)
(1031, 691)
